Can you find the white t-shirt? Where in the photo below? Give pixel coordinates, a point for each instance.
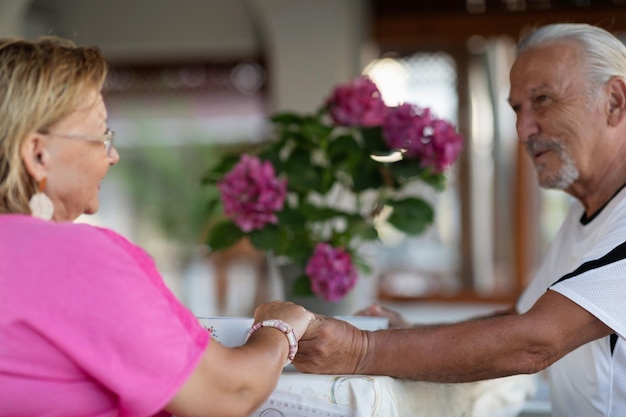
(587, 264)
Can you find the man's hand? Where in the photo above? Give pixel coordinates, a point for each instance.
(331, 346)
(396, 321)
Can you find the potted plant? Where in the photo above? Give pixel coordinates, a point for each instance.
(310, 195)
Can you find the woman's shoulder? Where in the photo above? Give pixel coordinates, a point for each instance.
(80, 236)
(104, 239)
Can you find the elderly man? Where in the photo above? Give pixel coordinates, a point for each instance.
(568, 90)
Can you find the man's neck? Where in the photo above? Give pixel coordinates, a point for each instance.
(596, 194)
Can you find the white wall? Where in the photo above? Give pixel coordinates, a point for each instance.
(12, 16)
(153, 30)
(309, 46)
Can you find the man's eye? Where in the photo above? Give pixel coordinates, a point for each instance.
(541, 98)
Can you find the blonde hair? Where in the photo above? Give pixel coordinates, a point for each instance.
(41, 82)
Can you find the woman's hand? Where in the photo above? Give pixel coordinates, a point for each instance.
(295, 315)
(242, 377)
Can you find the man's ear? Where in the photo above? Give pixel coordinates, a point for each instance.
(34, 155)
(617, 100)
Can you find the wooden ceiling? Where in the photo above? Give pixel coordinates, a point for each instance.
(397, 22)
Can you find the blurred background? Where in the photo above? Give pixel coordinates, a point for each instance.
(192, 78)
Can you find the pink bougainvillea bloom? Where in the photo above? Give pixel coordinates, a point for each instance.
(252, 194)
(404, 126)
(445, 144)
(434, 142)
(357, 103)
(331, 272)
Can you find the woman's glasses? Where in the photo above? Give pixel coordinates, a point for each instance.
(108, 138)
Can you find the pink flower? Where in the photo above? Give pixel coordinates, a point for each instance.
(446, 145)
(404, 126)
(252, 194)
(434, 142)
(331, 272)
(357, 103)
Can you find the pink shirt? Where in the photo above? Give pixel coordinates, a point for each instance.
(87, 326)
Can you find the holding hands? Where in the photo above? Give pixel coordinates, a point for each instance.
(327, 345)
(331, 346)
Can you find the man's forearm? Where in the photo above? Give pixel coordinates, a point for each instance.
(453, 353)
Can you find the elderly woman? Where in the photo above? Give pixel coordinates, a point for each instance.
(87, 326)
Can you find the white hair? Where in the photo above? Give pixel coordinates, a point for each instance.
(604, 55)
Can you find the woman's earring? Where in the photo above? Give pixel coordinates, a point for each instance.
(40, 204)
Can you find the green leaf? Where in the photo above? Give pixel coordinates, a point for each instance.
(343, 145)
(302, 286)
(316, 213)
(224, 235)
(410, 169)
(297, 247)
(290, 218)
(214, 205)
(373, 139)
(265, 239)
(345, 154)
(287, 118)
(294, 240)
(358, 226)
(361, 264)
(410, 215)
(217, 172)
(301, 175)
(406, 169)
(271, 152)
(368, 175)
(437, 181)
(298, 250)
(313, 129)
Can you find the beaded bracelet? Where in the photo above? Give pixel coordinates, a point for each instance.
(283, 327)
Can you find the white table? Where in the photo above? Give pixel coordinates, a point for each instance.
(308, 395)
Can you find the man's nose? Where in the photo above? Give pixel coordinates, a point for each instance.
(526, 124)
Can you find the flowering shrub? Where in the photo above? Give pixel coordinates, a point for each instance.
(358, 103)
(252, 194)
(311, 194)
(434, 142)
(331, 272)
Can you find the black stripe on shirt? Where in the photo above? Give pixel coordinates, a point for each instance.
(617, 254)
(613, 342)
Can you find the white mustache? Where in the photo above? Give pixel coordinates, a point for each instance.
(535, 145)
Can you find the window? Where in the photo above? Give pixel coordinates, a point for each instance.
(472, 251)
